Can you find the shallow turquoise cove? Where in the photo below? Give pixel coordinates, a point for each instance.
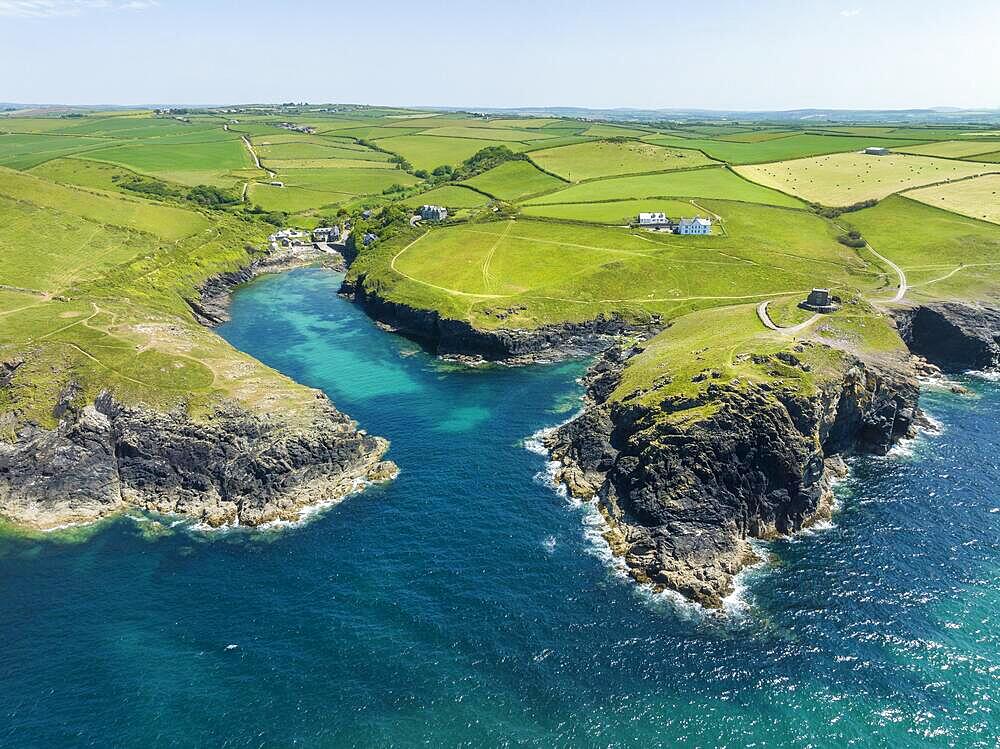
(468, 604)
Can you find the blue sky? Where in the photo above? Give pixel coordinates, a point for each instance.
(723, 54)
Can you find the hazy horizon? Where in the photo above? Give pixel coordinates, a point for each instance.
(733, 56)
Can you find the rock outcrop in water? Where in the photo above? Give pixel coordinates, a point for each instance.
(956, 337)
(458, 338)
(682, 496)
(234, 467)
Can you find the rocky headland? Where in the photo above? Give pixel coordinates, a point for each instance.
(264, 450)
(233, 468)
(685, 484)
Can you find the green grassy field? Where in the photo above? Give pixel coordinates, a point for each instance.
(450, 196)
(527, 273)
(603, 159)
(697, 183)
(429, 152)
(93, 277)
(614, 213)
(944, 255)
(977, 198)
(954, 149)
(101, 281)
(779, 149)
(188, 164)
(843, 179)
(515, 180)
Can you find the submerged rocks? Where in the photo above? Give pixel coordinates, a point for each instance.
(233, 467)
(683, 496)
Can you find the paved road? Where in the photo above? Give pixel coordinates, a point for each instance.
(769, 323)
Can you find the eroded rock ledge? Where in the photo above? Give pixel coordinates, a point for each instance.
(236, 467)
(458, 339)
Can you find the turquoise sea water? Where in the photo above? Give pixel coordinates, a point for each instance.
(468, 604)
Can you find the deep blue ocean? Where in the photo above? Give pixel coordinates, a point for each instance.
(469, 604)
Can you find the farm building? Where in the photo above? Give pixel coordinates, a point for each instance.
(368, 238)
(276, 183)
(653, 219)
(696, 225)
(877, 151)
(819, 300)
(433, 212)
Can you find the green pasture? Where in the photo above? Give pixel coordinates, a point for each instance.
(614, 213)
(943, 254)
(429, 151)
(603, 158)
(710, 182)
(25, 151)
(513, 180)
(954, 149)
(165, 222)
(778, 149)
(527, 273)
(188, 164)
(847, 178)
(450, 196)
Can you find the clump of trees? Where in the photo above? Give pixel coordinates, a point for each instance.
(384, 222)
(852, 239)
(212, 197)
(827, 212)
(479, 162)
(206, 196)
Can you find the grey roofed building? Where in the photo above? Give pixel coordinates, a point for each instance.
(433, 212)
(819, 300)
(696, 225)
(877, 151)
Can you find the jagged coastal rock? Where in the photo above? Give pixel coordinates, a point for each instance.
(953, 336)
(682, 498)
(235, 467)
(457, 338)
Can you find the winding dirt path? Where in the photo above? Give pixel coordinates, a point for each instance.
(769, 323)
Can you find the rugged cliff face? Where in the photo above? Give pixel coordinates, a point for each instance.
(457, 338)
(953, 336)
(685, 484)
(211, 308)
(234, 467)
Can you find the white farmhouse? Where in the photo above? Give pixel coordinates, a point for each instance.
(653, 219)
(695, 225)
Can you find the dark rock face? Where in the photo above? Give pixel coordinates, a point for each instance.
(682, 499)
(236, 467)
(955, 337)
(211, 308)
(448, 337)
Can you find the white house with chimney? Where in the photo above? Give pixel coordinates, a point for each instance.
(653, 219)
(696, 225)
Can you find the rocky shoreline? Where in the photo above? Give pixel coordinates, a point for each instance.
(683, 502)
(231, 467)
(457, 339)
(211, 308)
(234, 468)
